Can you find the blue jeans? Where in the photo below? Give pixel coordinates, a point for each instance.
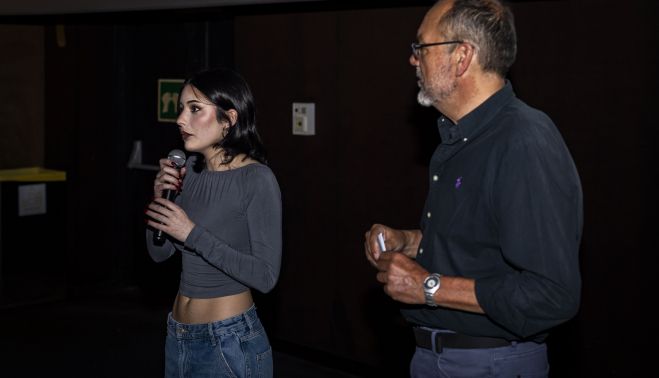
(234, 347)
(519, 360)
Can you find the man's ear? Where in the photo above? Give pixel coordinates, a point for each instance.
(465, 54)
(233, 116)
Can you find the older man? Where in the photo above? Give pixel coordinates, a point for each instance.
(494, 264)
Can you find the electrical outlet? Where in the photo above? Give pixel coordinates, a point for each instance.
(304, 114)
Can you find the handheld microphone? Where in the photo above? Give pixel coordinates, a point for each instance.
(177, 157)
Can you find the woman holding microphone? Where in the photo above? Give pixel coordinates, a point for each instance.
(226, 225)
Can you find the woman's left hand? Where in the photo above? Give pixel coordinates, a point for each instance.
(170, 218)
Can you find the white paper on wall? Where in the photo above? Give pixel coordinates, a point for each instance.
(31, 199)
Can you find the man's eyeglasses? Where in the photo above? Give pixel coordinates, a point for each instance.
(416, 47)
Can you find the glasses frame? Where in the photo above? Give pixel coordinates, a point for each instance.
(416, 47)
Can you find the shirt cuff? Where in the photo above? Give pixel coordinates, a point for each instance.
(193, 237)
(486, 288)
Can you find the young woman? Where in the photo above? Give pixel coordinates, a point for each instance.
(226, 225)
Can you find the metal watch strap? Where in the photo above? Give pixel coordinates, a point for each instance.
(430, 291)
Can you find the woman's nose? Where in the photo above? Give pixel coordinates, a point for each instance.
(179, 120)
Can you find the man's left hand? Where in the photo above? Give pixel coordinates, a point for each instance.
(402, 277)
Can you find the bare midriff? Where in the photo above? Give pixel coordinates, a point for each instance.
(206, 310)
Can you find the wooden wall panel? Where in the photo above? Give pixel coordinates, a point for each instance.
(386, 141)
(365, 157)
(296, 61)
(102, 87)
(21, 96)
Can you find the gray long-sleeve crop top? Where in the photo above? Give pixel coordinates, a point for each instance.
(236, 242)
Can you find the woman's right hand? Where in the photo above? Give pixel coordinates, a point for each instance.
(168, 177)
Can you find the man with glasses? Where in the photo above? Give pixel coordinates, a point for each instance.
(494, 264)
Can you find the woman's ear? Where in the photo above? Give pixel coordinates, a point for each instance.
(233, 116)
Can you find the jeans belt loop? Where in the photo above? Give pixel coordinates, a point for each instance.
(211, 334)
(436, 342)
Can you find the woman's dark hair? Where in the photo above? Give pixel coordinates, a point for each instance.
(228, 90)
(489, 25)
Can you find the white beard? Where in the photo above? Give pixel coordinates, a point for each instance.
(424, 99)
(437, 89)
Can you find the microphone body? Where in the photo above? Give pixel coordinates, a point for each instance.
(177, 157)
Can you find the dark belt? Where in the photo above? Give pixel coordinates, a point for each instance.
(454, 340)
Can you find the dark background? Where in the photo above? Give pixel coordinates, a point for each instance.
(590, 65)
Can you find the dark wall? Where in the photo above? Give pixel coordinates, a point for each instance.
(366, 164)
(102, 91)
(22, 78)
(589, 65)
(82, 139)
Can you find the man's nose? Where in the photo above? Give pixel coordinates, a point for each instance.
(414, 60)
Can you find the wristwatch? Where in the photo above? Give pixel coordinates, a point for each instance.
(430, 285)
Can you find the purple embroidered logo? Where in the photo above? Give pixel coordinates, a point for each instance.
(458, 182)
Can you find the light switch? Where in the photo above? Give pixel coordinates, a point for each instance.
(304, 114)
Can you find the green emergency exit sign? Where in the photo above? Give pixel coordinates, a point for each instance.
(168, 91)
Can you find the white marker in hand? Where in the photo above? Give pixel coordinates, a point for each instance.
(381, 242)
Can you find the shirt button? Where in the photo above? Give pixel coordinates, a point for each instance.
(465, 139)
(429, 214)
(435, 178)
(421, 251)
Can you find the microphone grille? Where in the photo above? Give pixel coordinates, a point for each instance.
(177, 157)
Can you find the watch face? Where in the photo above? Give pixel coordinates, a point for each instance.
(431, 282)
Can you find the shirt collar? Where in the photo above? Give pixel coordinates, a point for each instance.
(474, 123)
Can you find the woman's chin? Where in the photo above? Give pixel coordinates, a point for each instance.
(189, 146)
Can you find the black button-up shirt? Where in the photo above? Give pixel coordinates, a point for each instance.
(504, 208)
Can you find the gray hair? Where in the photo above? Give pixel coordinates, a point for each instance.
(488, 25)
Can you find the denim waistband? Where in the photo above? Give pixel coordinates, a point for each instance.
(246, 320)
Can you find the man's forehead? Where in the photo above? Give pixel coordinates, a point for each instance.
(439, 9)
(430, 24)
